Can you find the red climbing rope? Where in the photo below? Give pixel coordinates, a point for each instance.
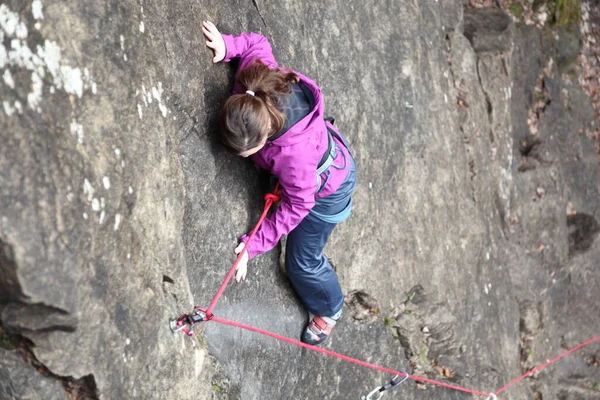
(341, 356)
(270, 198)
(533, 371)
(185, 323)
(394, 372)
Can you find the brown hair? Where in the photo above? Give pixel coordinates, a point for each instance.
(247, 120)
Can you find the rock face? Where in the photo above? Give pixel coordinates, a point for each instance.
(471, 255)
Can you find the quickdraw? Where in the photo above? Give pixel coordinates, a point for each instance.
(379, 392)
(186, 322)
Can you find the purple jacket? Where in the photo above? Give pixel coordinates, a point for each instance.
(292, 157)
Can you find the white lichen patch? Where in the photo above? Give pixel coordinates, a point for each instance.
(42, 61)
(8, 79)
(95, 204)
(149, 96)
(157, 93)
(85, 216)
(3, 53)
(122, 40)
(77, 130)
(117, 222)
(88, 190)
(130, 190)
(34, 98)
(102, 203)
(106, 182)
(71, 80)
(142, 27)
(11, 23)
(21, 31)
(36, 9)
(102, 216)
(118, 152)
(8, 108)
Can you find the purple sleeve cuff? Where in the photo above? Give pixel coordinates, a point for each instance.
(229, 47)
(251, 252)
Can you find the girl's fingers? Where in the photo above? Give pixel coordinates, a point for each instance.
(207, 33)
(240, 276)
(210, 44)
(210, 27)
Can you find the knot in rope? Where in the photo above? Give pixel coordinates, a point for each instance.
(273, 197)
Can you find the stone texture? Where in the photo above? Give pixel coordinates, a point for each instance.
(119, 209)
(21, 381)
(91, 200)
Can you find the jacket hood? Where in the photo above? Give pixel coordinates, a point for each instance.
(296, 132)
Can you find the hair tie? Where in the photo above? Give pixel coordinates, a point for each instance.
(250, 92)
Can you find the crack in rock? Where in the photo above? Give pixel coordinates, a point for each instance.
(83, 388)
(255, 3)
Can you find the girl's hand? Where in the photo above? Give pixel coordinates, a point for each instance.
(215, 40)
(242, 266)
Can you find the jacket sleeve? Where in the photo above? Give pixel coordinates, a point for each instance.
(249, 47)
(299, 184)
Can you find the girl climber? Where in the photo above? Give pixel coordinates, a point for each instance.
(275, 117)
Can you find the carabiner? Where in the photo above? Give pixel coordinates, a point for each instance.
(399, 378)
(186, 322)
(378, 391)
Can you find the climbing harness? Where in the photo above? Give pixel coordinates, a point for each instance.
(328, 160)
(186, 322)
(395, 381)
(329, 156)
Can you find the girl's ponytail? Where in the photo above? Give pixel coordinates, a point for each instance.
(249, 119)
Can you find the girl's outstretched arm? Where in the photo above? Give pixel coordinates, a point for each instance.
(246, 46)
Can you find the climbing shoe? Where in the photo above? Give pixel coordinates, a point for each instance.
(319, 328)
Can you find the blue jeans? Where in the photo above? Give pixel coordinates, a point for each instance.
(309, 271)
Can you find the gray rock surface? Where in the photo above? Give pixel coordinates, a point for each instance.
(471, 255)
(22, 381)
